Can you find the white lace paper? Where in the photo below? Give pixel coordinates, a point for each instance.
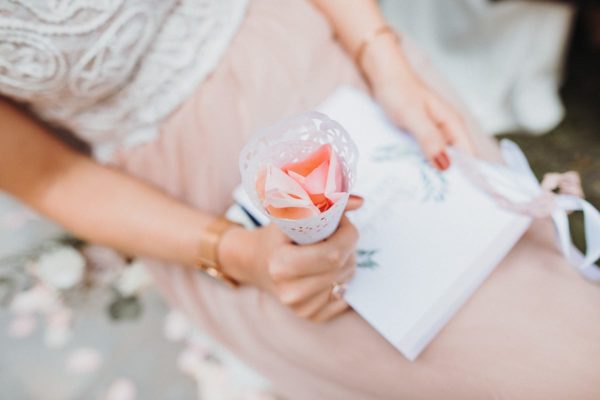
(290, 141)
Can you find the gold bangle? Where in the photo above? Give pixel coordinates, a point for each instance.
(370, 38)
(208, 250)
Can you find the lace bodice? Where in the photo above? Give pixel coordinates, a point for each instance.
(110, 70)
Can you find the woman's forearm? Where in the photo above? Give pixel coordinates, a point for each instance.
(352, 22)
(351, 19)
(95, 202)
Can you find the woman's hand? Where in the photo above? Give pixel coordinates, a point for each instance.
(301, 277)
(412, 104)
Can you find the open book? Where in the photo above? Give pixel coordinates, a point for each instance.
(428, 238)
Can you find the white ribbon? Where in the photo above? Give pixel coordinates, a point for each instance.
(562, 203)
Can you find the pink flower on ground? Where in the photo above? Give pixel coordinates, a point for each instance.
(189, 361)
(83, 361)
(39, 298)
(122, 389)
(176, 326)
(22, 326)
(104, 264)
(58, 327)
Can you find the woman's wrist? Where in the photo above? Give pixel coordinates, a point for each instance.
(383, 61)
(234, 254)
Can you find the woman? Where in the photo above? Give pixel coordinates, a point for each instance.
(167, 93)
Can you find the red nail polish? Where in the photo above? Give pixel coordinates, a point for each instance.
(446, 160)
(437, 162)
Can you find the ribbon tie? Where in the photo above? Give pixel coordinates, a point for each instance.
(556, 197)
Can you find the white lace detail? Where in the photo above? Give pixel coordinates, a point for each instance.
(110, 70)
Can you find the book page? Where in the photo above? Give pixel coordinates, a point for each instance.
(428, 238)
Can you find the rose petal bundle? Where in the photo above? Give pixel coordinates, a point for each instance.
(299, 172)
(302, 189)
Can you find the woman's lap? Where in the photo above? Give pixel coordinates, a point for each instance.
(529, 332)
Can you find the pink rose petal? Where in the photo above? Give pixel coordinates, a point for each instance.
(302, 189)
(306, 166)
(316, 181)
(334, 177)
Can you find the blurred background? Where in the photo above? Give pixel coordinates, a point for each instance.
(79, 321)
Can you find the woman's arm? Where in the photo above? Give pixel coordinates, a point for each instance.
(105, 206)
(92, 201)
(408, 101)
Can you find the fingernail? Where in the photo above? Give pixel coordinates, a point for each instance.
(446, 159)
(441, 161)
(356, 197)
(437, 163)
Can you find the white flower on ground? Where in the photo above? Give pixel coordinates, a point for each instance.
(189, 362)
(60, 268)
(121, 389)
(133, 279)
(58, 327)
(22, 326)
(176, 326)
(83, 361)
(215, 382)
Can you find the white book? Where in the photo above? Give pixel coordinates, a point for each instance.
(428, 239)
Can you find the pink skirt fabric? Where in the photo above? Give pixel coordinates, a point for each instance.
(531, 332)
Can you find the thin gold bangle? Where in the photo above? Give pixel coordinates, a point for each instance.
(370, 38)
(208, 250)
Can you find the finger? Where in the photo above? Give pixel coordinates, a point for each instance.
(342, 244)
(330, 311)
(319, 258)
(354, 202)
(299, 291)
(429, 136)
(452, 125)
(313, 305)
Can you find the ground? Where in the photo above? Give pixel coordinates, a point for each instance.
(575, 143)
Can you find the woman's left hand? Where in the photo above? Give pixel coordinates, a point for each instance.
(413, 105)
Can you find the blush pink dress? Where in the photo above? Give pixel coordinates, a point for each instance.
(532, 331)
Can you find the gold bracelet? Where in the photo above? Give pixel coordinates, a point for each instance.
(208, 250)
(370, 38)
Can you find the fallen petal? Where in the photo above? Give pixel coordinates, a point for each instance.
(122, 389)
(177, 326)
(21, 326)
(83, 361)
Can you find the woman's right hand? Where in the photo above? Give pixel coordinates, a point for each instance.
(301, 277)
